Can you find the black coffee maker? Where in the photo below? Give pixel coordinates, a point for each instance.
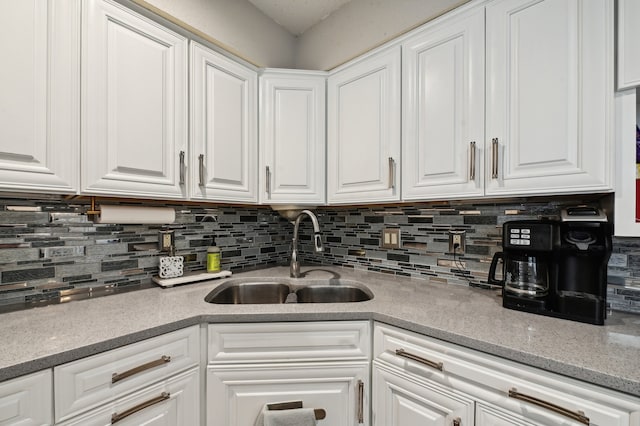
(556, 267)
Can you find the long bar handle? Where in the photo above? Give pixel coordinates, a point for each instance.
(494, 158)
(268, 181)
(201, 169)
(181, 167)
(116, 377)
(392, 173)
(437, 365)
(472, 161)
(360, 401)
(116, 417)
(574, 415)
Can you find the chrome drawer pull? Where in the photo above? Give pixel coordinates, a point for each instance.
(392, 173)
(575, 415)
(116, 417)
(437, 365)
(268, 182)
(360, 401)
(494, 158)
(201, 169)
(181, 167)
(472, 161)
(116, 377)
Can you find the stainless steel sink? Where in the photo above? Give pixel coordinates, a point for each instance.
(288, 290)
(247, 293)
(330, 293)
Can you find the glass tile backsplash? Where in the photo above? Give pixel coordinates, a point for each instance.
(58, 248)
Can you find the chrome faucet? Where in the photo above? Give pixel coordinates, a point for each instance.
(294, 268)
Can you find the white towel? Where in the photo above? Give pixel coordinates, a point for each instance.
(293, 417)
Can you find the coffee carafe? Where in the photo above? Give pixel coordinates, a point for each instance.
(527, 261)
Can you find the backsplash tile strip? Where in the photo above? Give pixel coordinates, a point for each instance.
(255, 236)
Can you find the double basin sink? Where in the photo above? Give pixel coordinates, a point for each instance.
(288, 290)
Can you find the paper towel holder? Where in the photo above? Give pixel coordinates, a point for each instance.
(92, 210)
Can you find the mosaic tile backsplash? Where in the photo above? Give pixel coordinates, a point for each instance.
(58, 250)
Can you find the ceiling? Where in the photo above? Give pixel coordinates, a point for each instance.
(297, 16)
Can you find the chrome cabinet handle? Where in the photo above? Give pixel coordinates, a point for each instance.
(574, 415)
(201, 169)
(437, 365)
(268, 181)
(457, 421)
(116, 377)
(392, 173)
(472, 161)
(181, 167)
(494, 158)
(116, 417)
(360, 401)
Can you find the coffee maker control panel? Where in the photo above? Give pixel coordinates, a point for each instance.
(528, 235)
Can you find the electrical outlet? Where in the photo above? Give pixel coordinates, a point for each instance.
(457, 242)
(390, 238)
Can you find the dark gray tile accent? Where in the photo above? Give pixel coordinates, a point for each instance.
(118, 265)
(27, 275)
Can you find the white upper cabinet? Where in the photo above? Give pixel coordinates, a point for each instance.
(292, 137)
(628, 44)
(443, 109)
(363, 124)
(40, 95)
(134, 104)
(549, 89)
(224, 124)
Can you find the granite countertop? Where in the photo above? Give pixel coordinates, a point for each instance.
(607, 355)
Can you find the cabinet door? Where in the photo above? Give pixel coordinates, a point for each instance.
(133, 104)
(628, 44)
(237, 394)
(224, 102)
(175, 402)
(549, 96)
(40, 101)
(292, 137)
(363, 122)
(405, 400)
(27, 400)
(443, 109)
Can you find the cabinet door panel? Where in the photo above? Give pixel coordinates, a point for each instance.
(364, 130)
(223, 128)
(40, 82)
(403, 400)
(292, 137)
(134, 104)
(549, 95)
(628, 36)
(27, 400)
(443, 105)
(236, 395)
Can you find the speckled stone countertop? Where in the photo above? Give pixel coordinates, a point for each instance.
(605, 355)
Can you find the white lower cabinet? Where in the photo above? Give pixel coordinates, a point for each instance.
(174, 402)
(27, 400)
(423, 381)
(401, 399)
(324, 365)
(155, 381)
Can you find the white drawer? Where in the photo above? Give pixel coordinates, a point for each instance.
(172, 402)
(27, 400)
(89, 382)
(289, 342)
(490, 379)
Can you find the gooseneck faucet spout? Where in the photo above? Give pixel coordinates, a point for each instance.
(294, 268)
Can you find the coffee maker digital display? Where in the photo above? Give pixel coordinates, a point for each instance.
(556, 267)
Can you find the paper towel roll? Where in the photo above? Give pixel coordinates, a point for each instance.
(135, 214)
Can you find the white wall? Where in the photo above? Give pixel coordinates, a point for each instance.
(360, 26)
(237, 26)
